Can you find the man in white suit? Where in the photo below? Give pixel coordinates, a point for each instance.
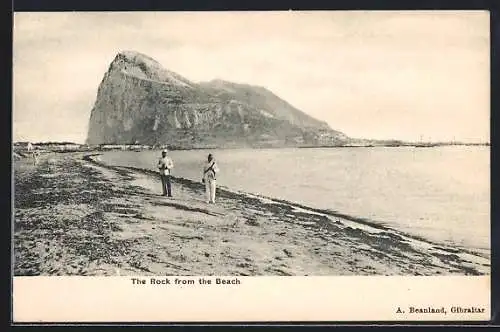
(209, 172)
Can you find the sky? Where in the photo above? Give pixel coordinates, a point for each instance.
(402, 75)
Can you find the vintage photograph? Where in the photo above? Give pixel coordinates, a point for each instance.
(289, 143)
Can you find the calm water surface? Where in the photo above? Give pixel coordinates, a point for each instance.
(442, 194)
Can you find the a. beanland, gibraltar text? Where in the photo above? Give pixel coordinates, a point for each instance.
(442, 310)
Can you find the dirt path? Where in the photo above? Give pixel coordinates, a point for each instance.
(77, 217)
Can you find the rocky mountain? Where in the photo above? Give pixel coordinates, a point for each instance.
(139, 101)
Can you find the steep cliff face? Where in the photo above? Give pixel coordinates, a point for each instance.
(140, 101)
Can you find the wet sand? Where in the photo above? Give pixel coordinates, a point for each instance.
(76, 216)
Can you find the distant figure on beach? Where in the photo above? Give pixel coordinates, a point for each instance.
(165, 165)
(209, 172)
(33, 152)
(36, 154)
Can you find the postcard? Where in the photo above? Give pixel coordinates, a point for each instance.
(251, 166)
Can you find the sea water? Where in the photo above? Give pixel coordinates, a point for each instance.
(439, 193)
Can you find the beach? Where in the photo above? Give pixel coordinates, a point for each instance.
(75, 215)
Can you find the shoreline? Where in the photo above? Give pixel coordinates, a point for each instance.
(356, 220)
(134, 231)
(253, 147)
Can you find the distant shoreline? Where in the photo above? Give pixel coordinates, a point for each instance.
(424, 145)
(55, 147)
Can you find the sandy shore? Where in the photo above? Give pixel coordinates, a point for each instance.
(77, 216)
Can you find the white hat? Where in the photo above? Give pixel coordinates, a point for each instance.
(164, 150)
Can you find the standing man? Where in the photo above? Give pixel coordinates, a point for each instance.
(165, 165)
(209, 171)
